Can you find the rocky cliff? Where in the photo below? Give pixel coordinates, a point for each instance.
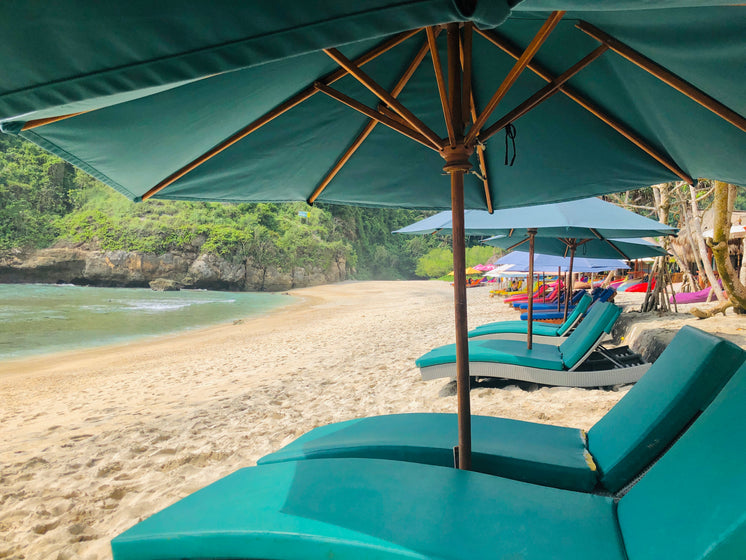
(133, 269)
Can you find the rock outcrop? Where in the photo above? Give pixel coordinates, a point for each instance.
(66, 265)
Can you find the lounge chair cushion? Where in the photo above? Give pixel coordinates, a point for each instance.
(683, 381)
(537, 453)
(690, 505)
(582, 307)
(519, 327)
(542, 356)
(600, 319)
(373, 509)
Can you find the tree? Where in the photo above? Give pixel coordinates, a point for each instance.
(725, 198)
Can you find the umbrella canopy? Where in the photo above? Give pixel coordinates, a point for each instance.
(483, 267)
(550, 264)
(154, 87)
(469, 271)
(257, 101)
(593, 249)
(590, 218)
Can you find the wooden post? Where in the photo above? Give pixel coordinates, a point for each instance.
(457, 164)
(530, 289)
(569, 280)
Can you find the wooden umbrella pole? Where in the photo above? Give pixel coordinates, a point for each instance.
(569, 281)
(457, 164)
(462, 339)
(559, 287)
(530, 289)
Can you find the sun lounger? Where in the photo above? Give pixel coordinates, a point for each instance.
(523, 305)
(554, 315)
(545, 363)
(543, 333)
(681, 383)
(523, 297)
(687, 506)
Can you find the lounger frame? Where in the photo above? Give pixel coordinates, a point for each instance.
(597, 378)
(618, 374)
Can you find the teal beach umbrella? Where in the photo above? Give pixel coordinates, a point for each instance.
(368, 103)
(589, 225)
(629, 249)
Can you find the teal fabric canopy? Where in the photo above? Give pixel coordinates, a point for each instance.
(629, 249)
(577, 219)
(160, 84)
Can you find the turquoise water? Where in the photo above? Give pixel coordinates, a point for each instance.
(43, 318)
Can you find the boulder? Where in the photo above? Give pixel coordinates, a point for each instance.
(164, 285)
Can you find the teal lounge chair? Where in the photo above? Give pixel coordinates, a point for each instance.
(688, 506)
(554, 315)
(548, 364)
(680, 384)
(543, 333)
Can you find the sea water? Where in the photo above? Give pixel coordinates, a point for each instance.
(43, 318)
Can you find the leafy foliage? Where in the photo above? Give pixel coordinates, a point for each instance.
(44, 200)
(439, 261)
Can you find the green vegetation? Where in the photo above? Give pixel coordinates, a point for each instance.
(44, 201)
(438, 262)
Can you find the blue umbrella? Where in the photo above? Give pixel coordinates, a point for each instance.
(521, 262)
(593, 249)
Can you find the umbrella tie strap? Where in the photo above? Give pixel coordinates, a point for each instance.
(509, 135)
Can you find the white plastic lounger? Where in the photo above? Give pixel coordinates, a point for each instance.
(546, 364)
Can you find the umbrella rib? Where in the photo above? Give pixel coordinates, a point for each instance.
(613, 246)
(521, 242)
(375, 115)
(509, 48)
(49, 120)
(472, 110)
(435, 56)
(403, 80)
(542, 95)
(665, 75)
(465, 50)
(365, 58)
(385, 96)
(280, 109)
(521, 63)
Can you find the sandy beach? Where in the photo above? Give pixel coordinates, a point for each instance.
(92, 442)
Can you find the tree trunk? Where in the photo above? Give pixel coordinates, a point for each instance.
(725, 195)
(688, 231)
(696, 220)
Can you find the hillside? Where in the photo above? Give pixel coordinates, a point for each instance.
(45, 202)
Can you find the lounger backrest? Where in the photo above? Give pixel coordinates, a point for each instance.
(581, 308)
(600, 319)
(682, 382)
(690, 504)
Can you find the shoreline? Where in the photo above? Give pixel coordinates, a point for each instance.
(92, 442)
(115, 337)
(48, 362)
